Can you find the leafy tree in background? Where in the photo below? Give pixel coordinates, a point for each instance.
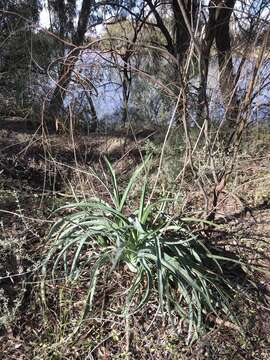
(18, 46)
(14, 26)
(177, 34)
(187, 32)
(90, 14)
(124, 40)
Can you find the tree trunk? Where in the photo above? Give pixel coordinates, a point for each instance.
(226, 74)
(125, 90)
(59, 93)
(182, 35)
(204, 64)
(217, 28)
(93, 112)
(67, 68)
(182, 41)
(162, 27)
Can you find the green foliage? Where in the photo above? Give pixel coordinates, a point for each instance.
(162, 254)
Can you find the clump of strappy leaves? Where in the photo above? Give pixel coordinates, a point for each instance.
(162, 253)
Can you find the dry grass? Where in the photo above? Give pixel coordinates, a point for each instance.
(35, 332)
